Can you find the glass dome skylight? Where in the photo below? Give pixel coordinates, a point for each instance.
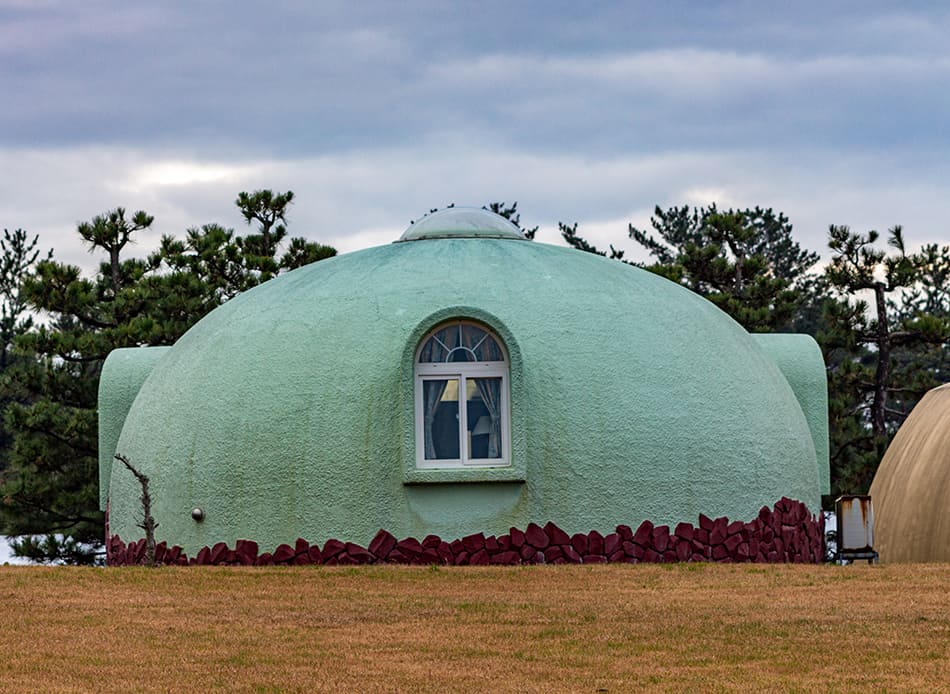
(462, 222)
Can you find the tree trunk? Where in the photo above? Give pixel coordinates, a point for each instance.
(114, 258)
(265, 235)
(883, 373)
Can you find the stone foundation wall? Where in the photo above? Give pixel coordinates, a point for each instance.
(786, 533)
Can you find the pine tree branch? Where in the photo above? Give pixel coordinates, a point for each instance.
(67, 521)
(81, 360)
(850, 444)
(88, 450)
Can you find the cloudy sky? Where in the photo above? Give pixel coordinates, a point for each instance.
(374, 112)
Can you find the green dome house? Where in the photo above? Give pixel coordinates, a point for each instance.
(482, 397)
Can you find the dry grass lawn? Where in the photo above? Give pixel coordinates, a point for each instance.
(615, 628)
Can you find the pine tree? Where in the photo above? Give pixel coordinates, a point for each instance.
(881, 356)
(50, 486)
(20, 254)
(570, 235)
(269, 211)
(510, 212)
(744, 261)
(259, 251)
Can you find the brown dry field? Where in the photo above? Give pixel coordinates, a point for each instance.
(616, 628)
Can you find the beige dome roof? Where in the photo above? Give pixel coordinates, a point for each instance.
(911, 490)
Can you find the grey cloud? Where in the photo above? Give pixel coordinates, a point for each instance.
(303, 78)
(374, 112)
(358, 199)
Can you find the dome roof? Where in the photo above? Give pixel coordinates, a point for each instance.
(289, 412)
(911, 489)
(462, 222)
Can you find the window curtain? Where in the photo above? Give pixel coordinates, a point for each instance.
(490, 390)
(432, 352)
(432, 395)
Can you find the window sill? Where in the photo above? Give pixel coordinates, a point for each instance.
(464, 475)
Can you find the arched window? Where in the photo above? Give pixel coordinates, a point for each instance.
(461, 382)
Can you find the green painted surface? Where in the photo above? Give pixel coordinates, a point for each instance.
(800, 360)
(123, 373)
(288, 411)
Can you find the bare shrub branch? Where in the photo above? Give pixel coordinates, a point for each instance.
(148, 523)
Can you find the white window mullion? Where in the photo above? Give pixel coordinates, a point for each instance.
(420, 424)
(463, 420)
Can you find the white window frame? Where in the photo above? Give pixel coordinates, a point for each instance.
(463, 371)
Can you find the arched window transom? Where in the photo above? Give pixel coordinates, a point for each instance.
(461, 396)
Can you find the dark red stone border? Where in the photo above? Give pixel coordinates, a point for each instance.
(786, 533)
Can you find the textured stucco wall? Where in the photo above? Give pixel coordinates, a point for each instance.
(911, 489)
(288, 411)
(800, 360)
(123, 374)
